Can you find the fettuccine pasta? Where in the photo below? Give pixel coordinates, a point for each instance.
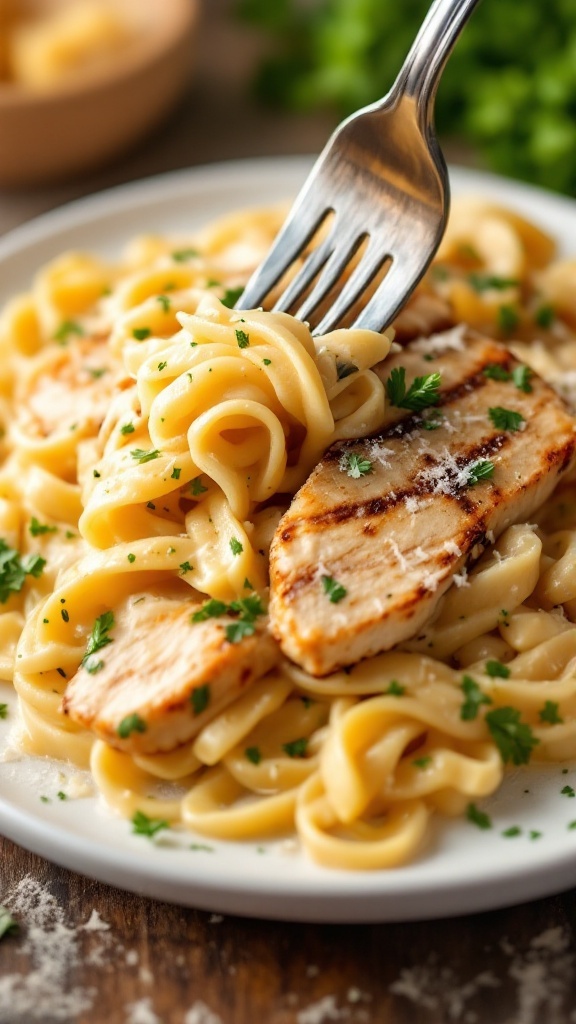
(152, 437)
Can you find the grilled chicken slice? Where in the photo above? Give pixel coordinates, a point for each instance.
(384, 525)
(71, 387)
(163, 676)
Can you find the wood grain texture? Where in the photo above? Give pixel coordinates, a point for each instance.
(162, 963)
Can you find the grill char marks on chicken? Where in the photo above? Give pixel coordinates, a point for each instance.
(380, 529)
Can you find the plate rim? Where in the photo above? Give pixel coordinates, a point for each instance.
(343, 898)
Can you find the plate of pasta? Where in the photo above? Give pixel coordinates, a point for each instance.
(288, 621)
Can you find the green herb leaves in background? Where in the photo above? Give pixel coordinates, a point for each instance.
(509, 87)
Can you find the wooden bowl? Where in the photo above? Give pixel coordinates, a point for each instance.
(87, 119)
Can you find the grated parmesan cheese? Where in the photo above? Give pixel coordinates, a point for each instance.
(95, 923)
(461, 578)
(451, 548)
(447, 476)
(324, 1010)
(443, 341)
(141, 1012)
(378, 452)
(199, 1013)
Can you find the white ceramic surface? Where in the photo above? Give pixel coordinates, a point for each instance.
(461, 869)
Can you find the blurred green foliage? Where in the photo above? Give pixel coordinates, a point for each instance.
(509, 87)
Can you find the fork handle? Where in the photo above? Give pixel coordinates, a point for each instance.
(421, 71)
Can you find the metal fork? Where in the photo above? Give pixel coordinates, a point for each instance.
(380, 188)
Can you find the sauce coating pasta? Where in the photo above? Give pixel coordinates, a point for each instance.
(152, 438)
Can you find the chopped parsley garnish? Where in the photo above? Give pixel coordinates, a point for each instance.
(478, 817)
(14, 568)
(422, 762)
(246, 608)
(3, 711)
(129, 724)
(483, 470)
(235, 546)
(514, 738)
(212, 609)
(37, 529)
(440, 273)
(236, 631)
(468, 252)
(94, 666)
(568, 791)
(141, 333)
(549, 713)
(96, 372)
(131, 558)
(534, 834)
(181, 255)
(142, 455)
(296, 748)
(127, 428)
(33, 565)
(395, 689)
(162, 365)
(496, 669)
(267, 362)
(8, 925)
(186, 567)
(164, 302)
(176, 473)
(231, 296)
(66, 329)
(474, 697)
(545, 316)
(247, 585)
(96, 474)
(142, 825)
(486, 282)
(521, 375)
(61, 795)
(344, 370)
(505, 419)
(432, 422)
(197, 487)
(253, 754)
(98, 639)
(355, 465)
(334, 590)
(243, 339)
(422, 392)
(508, 318)
(64, 615)
(200, 698)
(512, 832)
(495, 371)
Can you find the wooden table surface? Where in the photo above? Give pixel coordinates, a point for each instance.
(90, 953)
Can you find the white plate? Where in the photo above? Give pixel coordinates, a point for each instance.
(462, 869)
